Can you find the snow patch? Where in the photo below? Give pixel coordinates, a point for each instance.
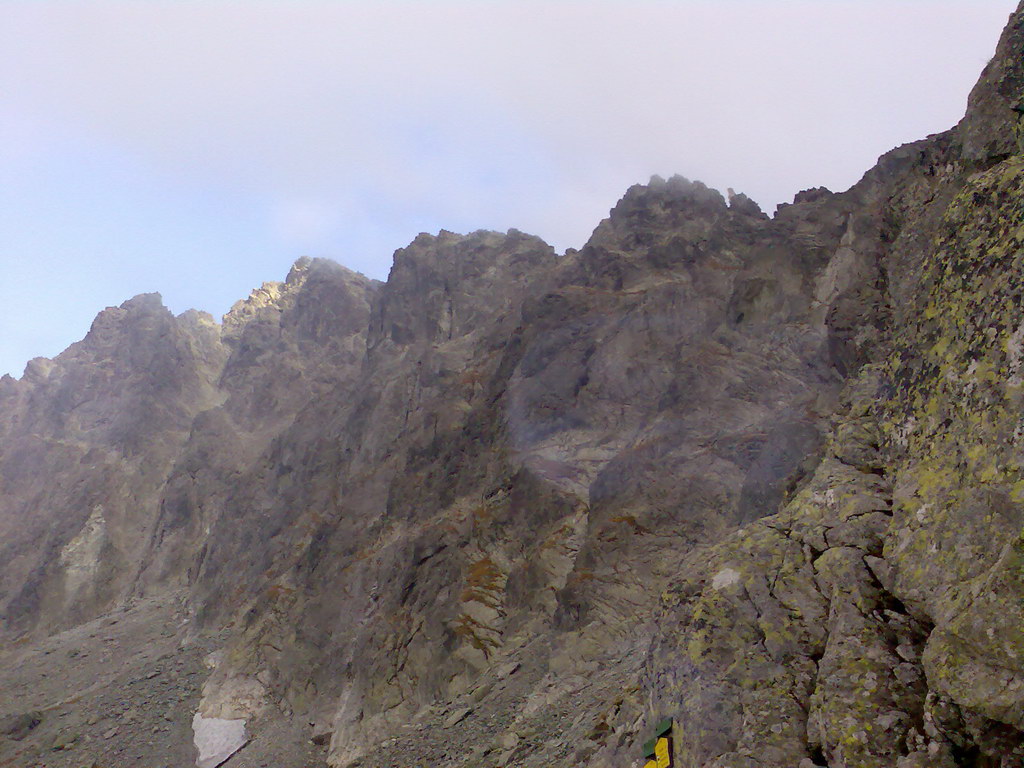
(217, 739)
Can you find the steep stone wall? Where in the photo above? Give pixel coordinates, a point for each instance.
(514, 493)
(88, 440)
(875, 620)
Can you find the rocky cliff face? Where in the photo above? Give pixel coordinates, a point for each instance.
(874, 620)
(758, 474)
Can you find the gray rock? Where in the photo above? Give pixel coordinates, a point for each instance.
(17, 727)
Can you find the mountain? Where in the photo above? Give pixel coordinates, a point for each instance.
(760, 475)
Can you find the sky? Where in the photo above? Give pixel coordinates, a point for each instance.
(198, 148)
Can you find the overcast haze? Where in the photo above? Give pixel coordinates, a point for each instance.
(198, 149)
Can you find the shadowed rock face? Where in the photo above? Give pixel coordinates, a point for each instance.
(95, 442)
(88, 439)
(874, 620)
(759, 474)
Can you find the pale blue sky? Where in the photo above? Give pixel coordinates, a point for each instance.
(198, 149)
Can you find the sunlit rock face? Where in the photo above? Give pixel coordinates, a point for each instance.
(757, 474)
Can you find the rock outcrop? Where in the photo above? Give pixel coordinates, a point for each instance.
(757, 474)
(874, 620)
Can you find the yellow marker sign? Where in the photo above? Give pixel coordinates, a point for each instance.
(658, 750)
(662, 753)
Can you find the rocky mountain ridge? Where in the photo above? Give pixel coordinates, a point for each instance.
(757, 474)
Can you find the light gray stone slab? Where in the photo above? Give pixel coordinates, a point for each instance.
(217, 739)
